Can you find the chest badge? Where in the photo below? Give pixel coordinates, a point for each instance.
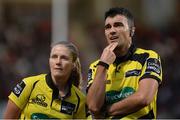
(67, 107)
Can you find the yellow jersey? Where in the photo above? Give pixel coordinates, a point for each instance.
(123, 78)
(38, 98)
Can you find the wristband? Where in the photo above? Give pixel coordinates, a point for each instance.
(103, 64)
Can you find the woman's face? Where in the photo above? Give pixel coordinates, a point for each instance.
(60, 61)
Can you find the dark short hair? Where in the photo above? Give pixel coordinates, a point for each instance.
(120, 11)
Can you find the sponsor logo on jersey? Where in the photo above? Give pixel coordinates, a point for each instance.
(40, 100)
(153, 65)
(67, 107)
(89, 74)
(133, 73)
(115, 96)
(19, 88)
(39, 116)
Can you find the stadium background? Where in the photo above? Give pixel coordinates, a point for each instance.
(27, 29)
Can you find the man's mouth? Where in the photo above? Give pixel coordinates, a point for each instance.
(113, 37)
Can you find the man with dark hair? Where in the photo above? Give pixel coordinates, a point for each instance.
(124, 82)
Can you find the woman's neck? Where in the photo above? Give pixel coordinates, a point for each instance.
(61, 83)
(64, 92)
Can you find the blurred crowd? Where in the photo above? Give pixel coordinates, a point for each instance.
(24, 51)
(24, 47)
(166, 42)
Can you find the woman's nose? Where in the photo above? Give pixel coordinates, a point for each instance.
(58, 61)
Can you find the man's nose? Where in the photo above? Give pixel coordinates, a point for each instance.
(113, 31)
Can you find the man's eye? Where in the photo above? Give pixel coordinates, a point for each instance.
(107, 26)
(118, 24)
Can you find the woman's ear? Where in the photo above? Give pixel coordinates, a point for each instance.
(74, 65)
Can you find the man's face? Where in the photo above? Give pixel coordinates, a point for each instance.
(60, 61)
(117, 30)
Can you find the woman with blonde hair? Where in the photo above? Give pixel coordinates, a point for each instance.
(53, 95)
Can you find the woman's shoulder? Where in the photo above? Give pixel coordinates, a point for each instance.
(33, 79)
(78, 92)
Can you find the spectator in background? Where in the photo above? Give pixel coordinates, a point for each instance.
(53, 95)
(124, 82)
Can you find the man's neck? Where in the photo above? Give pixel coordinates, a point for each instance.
(121, 51)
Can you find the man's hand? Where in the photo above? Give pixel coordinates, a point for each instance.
(108, 56)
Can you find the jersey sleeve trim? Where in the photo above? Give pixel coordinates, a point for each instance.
(12, 97)
(151, 76)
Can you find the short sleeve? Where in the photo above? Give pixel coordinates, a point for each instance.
(91, 74)
(152, 67)
(21, 92)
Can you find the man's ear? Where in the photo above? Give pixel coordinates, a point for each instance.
(132, 30)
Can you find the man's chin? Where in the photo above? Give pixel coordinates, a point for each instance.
(118, 48)
(113, 41)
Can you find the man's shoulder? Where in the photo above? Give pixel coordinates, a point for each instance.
(146, 51)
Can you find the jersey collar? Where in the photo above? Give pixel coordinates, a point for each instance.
(56, 95)
(126, 57)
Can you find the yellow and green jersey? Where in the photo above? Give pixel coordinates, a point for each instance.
(123, 78)
(38, 98)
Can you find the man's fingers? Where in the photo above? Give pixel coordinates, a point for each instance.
(114, 45)
(109, 46)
